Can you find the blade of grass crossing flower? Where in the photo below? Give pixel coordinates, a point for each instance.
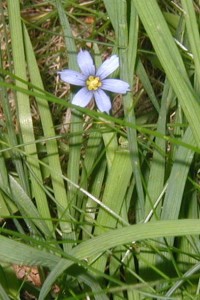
(109, 138)
(193, 35)
(126, 73)
(169, 56)
(51, 145)
(122, 236)
(76, 120)
(24, 112)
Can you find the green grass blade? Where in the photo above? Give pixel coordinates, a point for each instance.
(3, 294)
(119, 237)
(91, 207)
(157, 164)
(176, 183)
(25, 205)
(193, 35)
(116, 186)
(126, 74)
(88, 165)
(156, 179)
(114, 195)
(11, 131)
(24, 112)
(169, 56)
(51, 144)
(141, 72)
(111, 7)
(76, 119)
(37, 257)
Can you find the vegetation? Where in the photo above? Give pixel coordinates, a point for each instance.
(96, 205)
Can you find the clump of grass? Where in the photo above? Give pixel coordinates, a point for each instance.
(97, 206)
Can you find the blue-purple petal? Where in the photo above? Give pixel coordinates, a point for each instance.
(86, 63)
(73, 77)
(102, 101)
(115, 86)
(82, 97)
(108, 67)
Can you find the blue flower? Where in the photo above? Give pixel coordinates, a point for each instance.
(94, 81)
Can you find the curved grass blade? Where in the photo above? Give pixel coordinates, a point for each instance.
(119, 237)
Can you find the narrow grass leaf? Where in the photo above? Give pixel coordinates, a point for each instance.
(170, 58)
(114, 196)
(11, 131)
(31, 256)
(75, 140)
(51, 144)
(157, 164)
(193, 35)
(24, 112)
(91, 207)
(25, 205)
(126, 73)
(3, 294)
(88, 165)
(176, 183)
(141, 73)
(111, 10)
(91, 282)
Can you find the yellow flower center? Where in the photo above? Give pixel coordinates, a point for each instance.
(93, 83)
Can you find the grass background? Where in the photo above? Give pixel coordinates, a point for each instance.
(96, 206)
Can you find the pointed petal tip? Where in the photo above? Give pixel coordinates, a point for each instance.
(85, 62)
(108, 67)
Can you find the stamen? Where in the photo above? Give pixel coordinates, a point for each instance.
(93, 83)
